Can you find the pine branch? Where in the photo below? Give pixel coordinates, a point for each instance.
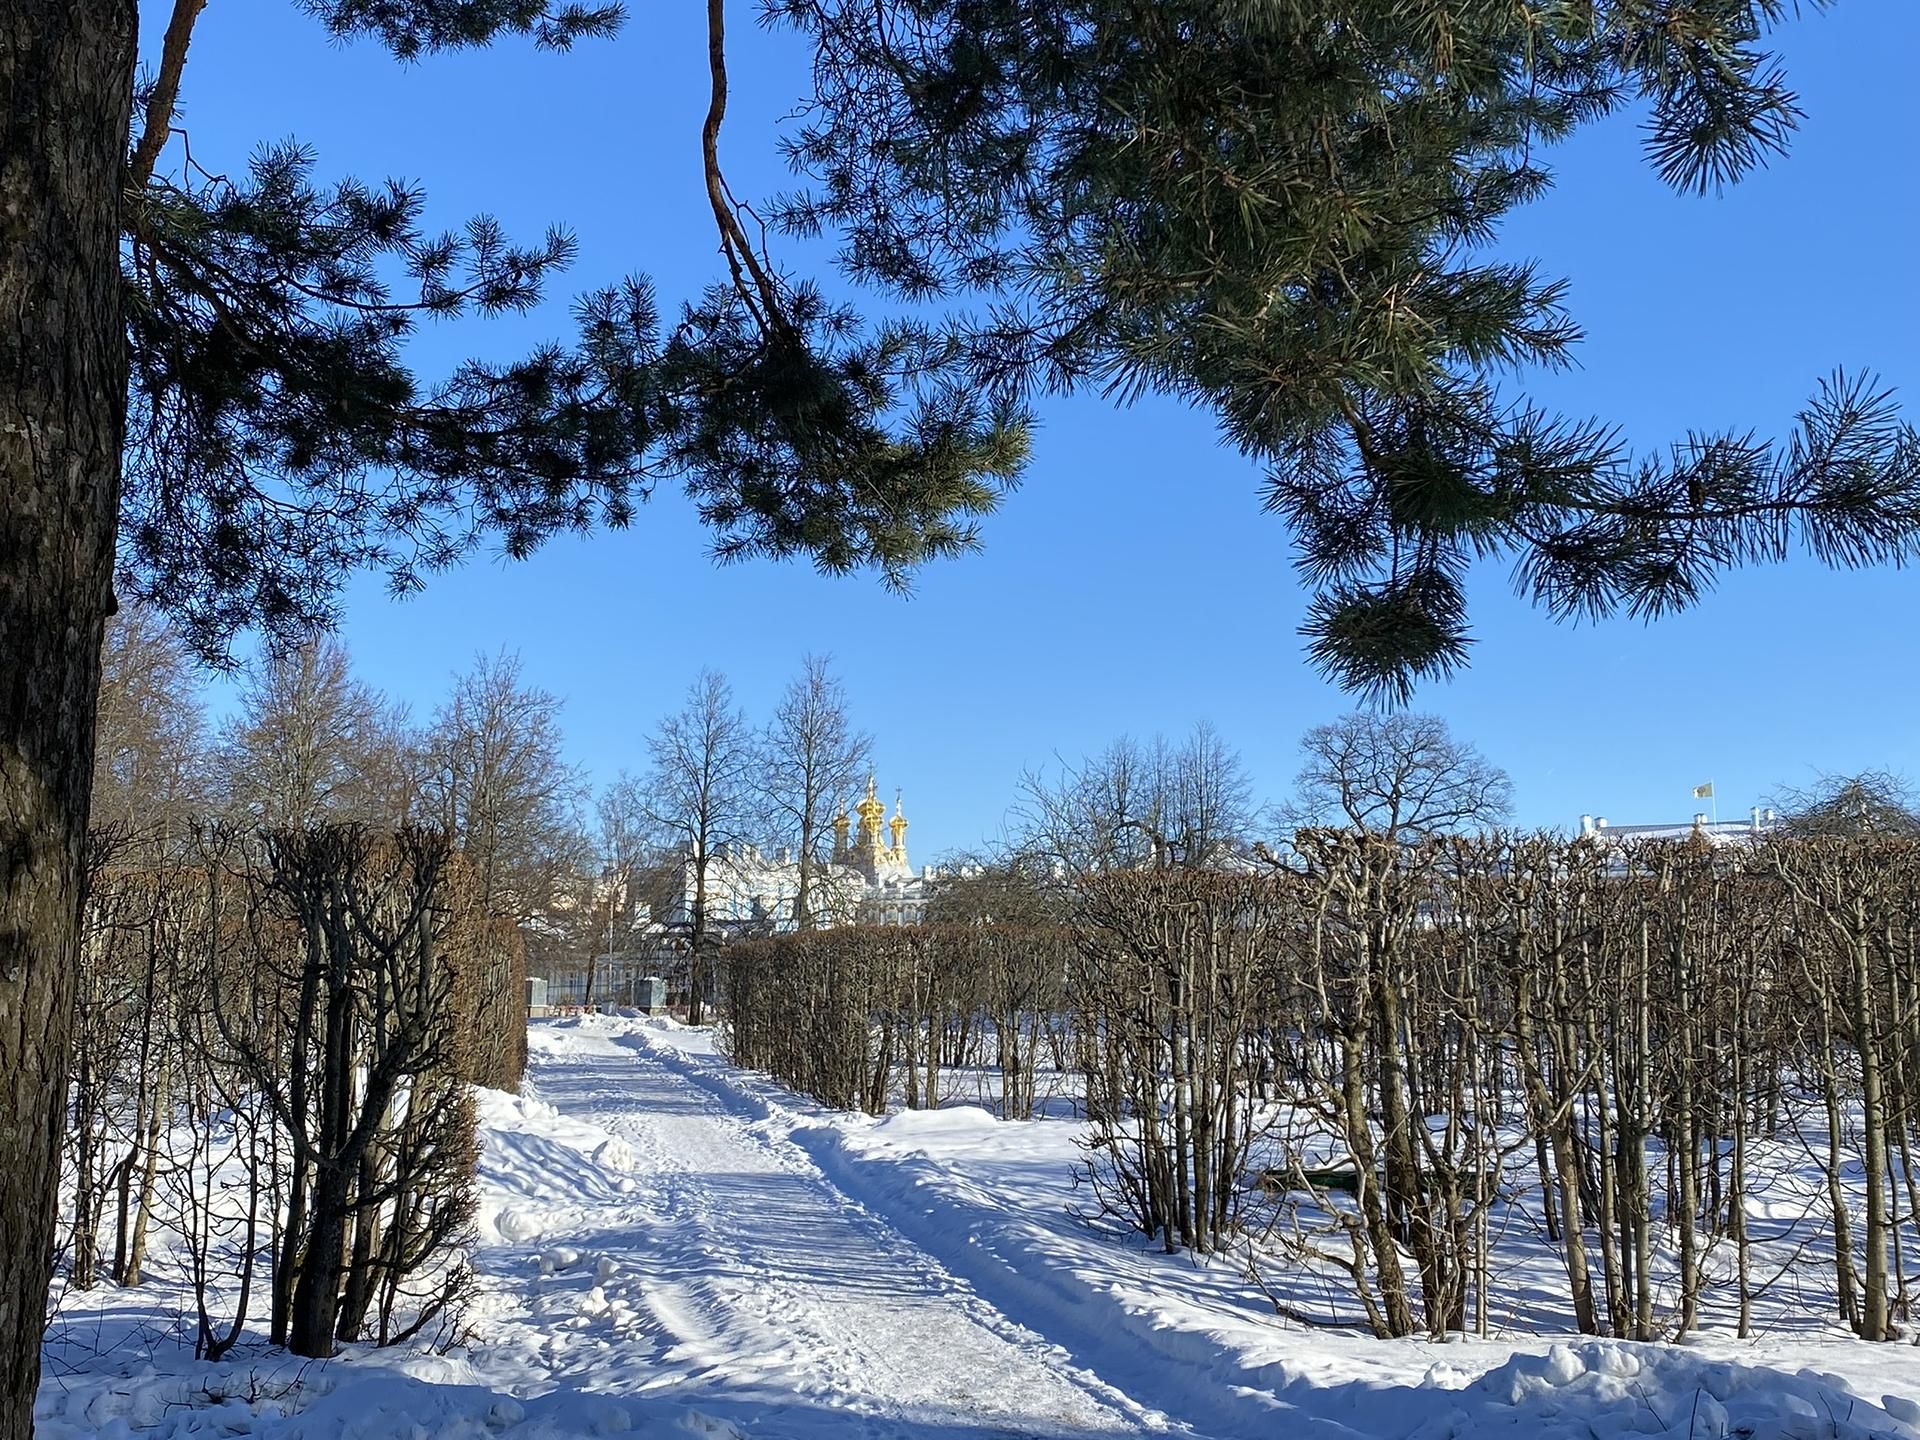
(165, 93)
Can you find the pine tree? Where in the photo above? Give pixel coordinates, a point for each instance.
(1279, 210)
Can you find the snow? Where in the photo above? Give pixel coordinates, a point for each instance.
(671, 1247)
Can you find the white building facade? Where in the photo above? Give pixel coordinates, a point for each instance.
(868, 879)
(1759, 822)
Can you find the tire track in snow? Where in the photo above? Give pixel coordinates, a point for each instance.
(751, 1278)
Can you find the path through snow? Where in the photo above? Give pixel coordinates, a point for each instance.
(723, 1260)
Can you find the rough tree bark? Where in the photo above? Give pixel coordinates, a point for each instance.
(66, 92)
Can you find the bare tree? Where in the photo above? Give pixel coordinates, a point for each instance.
(811, 758)
(150, 761)
(1372, 788)
(621, 816)
(1095, 816)
(498, 784)
(1873, 802)
(494, 781)
(1400, 776)
(352, 1037)
(1135, 806)
(698, 797)
(298, 752)
(1170, 976)
(607, 905)
(150, 774)
(993, 890)
(1207, 808)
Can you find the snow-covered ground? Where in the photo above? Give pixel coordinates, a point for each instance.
(672, 1247)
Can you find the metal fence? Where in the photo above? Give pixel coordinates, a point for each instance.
(634, 984)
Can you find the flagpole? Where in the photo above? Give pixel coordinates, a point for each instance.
(1707, 793)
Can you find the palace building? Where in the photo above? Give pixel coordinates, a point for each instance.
(891, 892)
(867, 881)
(1760, 822)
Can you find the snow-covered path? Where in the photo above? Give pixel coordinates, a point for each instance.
(722, 1268)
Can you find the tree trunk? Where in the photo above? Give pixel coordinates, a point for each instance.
(697, 942)
(316, 1291)
(149, 1173)
(358, 1297)
(803, 880)
(1635, 1126)
(66, 90)
(1873, 1307)
(1373, 1210)
(1736, 1197)
(83, 1240)
(1683, 1146)
(1554, 1115)
(1845, 1281)
(1601, 1146)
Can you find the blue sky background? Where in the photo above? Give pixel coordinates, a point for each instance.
(1133, 584)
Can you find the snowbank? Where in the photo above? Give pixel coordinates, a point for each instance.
(364, 1397)
(1575, 1392)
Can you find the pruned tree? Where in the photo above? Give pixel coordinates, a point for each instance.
(151, 783)
(351, 1033)
(1172, 976)
(1374, 792)
(151, 777)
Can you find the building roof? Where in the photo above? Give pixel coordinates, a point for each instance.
(1758, 822)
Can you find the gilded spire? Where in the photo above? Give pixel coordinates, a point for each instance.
(872, 814)
(898, 825)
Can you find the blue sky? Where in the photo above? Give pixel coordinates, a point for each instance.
(1133, 584)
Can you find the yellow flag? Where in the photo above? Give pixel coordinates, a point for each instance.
(1703, 792)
